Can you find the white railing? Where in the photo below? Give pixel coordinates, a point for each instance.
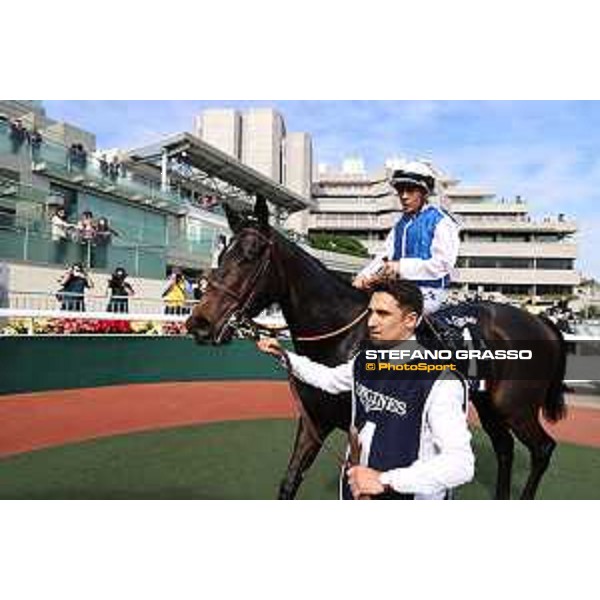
(53, 321)
(92, 303)
(28, 313)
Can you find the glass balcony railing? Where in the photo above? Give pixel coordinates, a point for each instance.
(30, 241)
(26, 211)
(25, 230)
(91, 172)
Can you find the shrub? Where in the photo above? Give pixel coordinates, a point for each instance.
(338, 243)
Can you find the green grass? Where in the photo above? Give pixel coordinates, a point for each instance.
(238, 460)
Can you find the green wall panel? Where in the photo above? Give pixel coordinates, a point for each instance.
(33, 364)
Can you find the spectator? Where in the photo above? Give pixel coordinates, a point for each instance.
(86, 227)
(119, 290)
(86, 234)
(114, 168)
(218, 251)
(103, 236)
(199, 288)
(104, 168)
(35, 141)
(60, 229)
(77, 157)
(82, 156)
(72, 156)
(18, 135)
(72, 292)
(176, 294)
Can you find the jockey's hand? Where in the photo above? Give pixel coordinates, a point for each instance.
(362, 282)
(390, 269)
(364, 481)
(270, 346)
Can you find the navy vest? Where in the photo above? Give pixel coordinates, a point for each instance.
(394, 410)
(413, 236)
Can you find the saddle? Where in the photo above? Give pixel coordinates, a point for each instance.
(453, 328)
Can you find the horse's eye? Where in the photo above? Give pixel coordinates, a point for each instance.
(250, 251)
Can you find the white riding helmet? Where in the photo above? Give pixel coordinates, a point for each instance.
(415, 173)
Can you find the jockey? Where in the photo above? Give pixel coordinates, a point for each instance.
(423, 244)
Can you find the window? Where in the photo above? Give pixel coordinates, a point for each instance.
(554, 290)
(555, 263)
(493, 262)
(462, 262)
(547, 238)
(517, 289)
(514, 237)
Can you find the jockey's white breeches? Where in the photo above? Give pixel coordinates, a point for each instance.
(433, 298)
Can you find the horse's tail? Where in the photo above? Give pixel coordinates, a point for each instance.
(555, 407)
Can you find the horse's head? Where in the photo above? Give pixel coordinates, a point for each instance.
(245, 281)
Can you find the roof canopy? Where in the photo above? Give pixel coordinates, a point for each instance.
(216, 163)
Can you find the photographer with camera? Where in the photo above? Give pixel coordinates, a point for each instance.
(119, 290)
(72, 291)
(177, 294)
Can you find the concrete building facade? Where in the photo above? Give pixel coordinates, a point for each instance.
(298, 161)
(221, 128)
(263, 130)
(298, 168)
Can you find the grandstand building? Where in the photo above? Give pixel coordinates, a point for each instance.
(163, 203)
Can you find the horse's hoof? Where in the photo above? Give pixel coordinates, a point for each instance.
(285, 493)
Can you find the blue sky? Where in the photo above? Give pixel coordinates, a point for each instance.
(548, 152)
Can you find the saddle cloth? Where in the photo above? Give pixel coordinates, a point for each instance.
(456, 327)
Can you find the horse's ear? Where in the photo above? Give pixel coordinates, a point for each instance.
(261, 211)
(234, 218)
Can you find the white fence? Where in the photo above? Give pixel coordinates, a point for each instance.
(90, 303)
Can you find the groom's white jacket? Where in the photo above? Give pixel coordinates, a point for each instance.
(445, 458)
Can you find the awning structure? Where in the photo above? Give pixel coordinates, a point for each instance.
(206, 163)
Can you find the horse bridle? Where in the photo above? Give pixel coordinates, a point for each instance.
(245, 326)
(236, 319)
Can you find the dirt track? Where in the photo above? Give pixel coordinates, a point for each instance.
(40, 420)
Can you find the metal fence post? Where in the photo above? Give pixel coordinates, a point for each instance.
(26, 242)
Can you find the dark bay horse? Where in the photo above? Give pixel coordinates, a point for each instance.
(327, 320)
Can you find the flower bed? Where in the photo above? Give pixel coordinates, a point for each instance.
(59, 326)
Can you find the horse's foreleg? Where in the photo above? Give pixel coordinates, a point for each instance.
(306, 449)
(502, 442)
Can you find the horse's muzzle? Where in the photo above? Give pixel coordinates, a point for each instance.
(199, 328)
(204, 332)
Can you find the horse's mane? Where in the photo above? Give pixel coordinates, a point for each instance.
(314, 270)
